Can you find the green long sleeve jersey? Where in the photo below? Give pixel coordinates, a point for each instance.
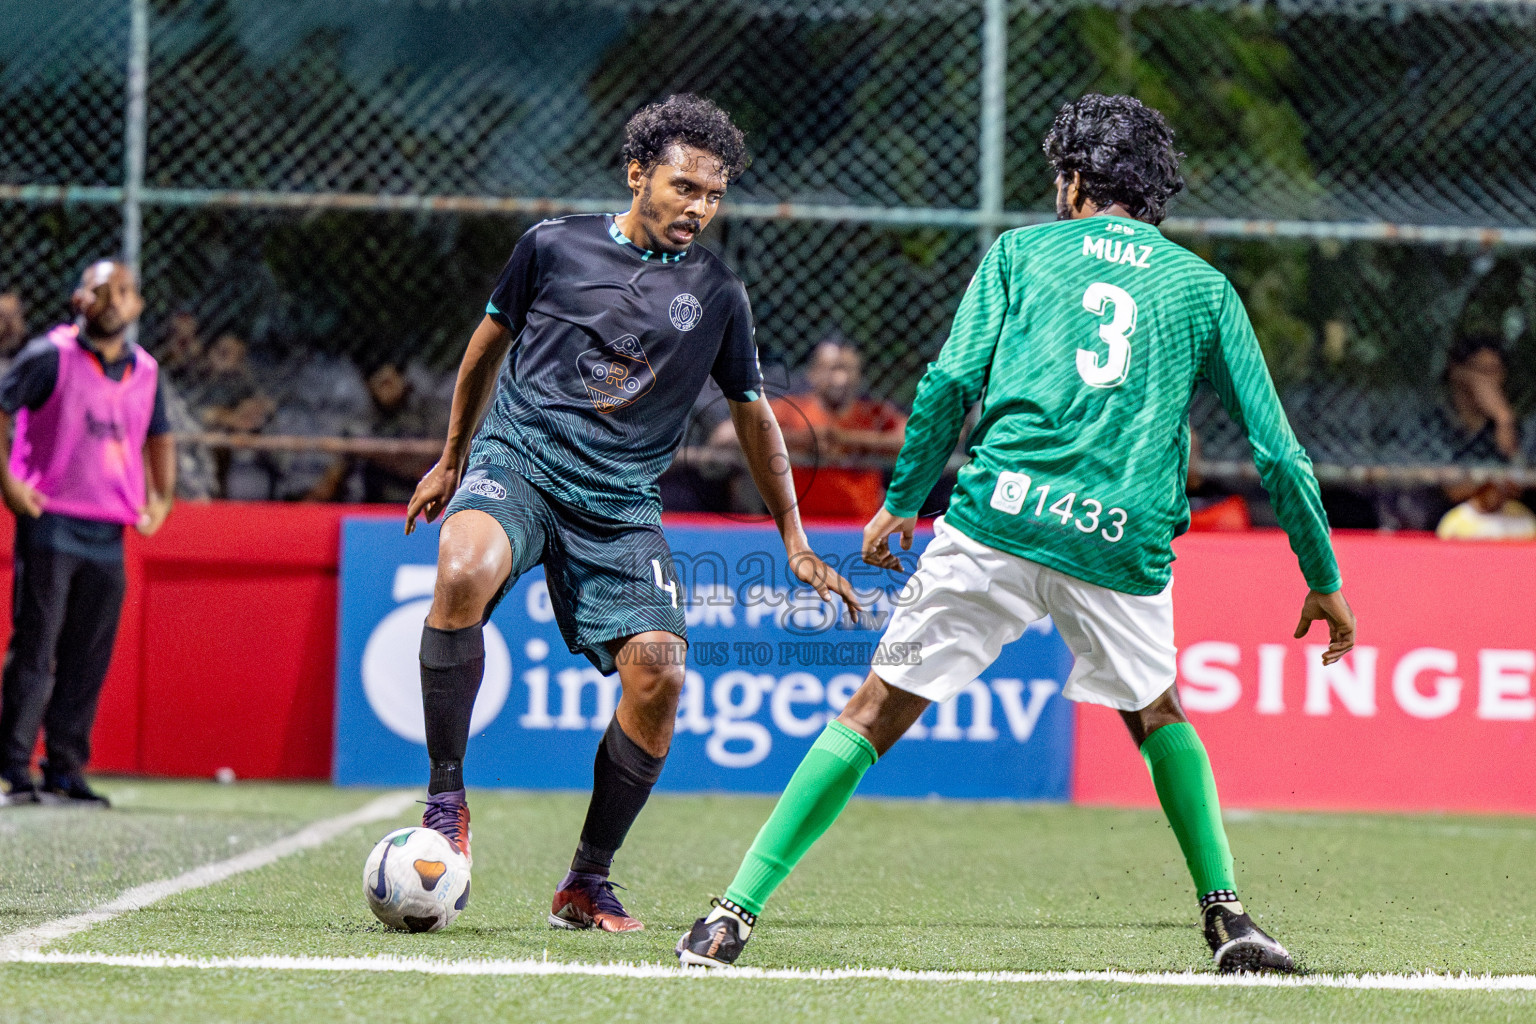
(1084, 340)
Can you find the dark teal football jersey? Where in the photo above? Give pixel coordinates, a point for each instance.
(613, 344)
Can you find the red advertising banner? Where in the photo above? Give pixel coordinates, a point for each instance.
(1433, 710)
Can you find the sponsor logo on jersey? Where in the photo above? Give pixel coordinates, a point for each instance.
(618, 373)
(1114, 250)
(1008, 495)
(686, 312)
(487, 488)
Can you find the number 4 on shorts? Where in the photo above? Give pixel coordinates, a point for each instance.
(669, 586)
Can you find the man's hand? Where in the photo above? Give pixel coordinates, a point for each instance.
(877, 539)
(20, 497)
(1341, 622)
(152, 516)
(822, 578)
(433, 493)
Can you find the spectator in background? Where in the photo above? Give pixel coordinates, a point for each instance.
(323, 395)
(196, 469)
(1481, 421)
(833, 422)
(396, 413)
(91, 451)
(180, 355)
(230, 400)
(1479, 427)
(181, 350)
(1473, 425)
(13, 328)
(1210, 507)
(1494, 512)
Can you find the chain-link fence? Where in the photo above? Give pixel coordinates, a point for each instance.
(341, 179)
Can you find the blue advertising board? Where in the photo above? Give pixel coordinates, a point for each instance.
(768, 666)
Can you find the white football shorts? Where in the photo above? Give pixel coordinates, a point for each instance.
(967, 600)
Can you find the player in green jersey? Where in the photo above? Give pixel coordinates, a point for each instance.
(1083, 340)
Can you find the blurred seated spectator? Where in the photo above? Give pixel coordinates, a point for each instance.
(1482, 422)
(13, 328)
(1492, 513)
(832, 422)
(180, 352)
(1212, 508)
(196, 469)
(1473, 425)
(230, 400)
(323, 395)
(396, 411)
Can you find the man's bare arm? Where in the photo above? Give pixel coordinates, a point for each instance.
(20, 498)
(762, 445)
(475, 385)
(160, 481)
(471, 394)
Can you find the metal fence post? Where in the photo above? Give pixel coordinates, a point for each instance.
(133, 132)
(994, 79)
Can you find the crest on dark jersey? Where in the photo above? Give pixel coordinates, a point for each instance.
(616, 374)
(686, 312)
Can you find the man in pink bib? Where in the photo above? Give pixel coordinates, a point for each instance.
(88, 450)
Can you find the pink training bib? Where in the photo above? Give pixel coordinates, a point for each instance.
(84, 448)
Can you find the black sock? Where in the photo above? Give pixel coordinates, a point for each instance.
(622, 777)
(447, 776)
(452, 663)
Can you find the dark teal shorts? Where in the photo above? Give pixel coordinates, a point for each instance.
(606, 579)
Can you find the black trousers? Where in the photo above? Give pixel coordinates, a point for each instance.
(64, 621)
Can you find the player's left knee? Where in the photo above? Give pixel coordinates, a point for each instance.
(651, 667)
(654, 685)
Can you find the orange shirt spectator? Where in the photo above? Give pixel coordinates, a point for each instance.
(833, 423)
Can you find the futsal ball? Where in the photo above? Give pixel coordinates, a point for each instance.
(415, 881)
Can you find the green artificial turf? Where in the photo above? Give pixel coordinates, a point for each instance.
(56, 861)
(923, 885)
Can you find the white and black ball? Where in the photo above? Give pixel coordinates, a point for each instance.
(415, 881)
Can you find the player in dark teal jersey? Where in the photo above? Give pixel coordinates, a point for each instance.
(1083, 340)
(603, 329)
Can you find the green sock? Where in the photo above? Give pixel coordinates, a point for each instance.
(1187, 790)
(815, 796)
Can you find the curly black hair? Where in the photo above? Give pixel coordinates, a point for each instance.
(690, 120)
(1123, 150)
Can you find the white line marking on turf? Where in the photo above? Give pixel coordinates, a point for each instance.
(30, 940)
(514, 968)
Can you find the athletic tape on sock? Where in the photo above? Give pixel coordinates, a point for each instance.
(1218, 896)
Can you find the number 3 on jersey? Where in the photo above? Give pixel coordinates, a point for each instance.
(1116, 334)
